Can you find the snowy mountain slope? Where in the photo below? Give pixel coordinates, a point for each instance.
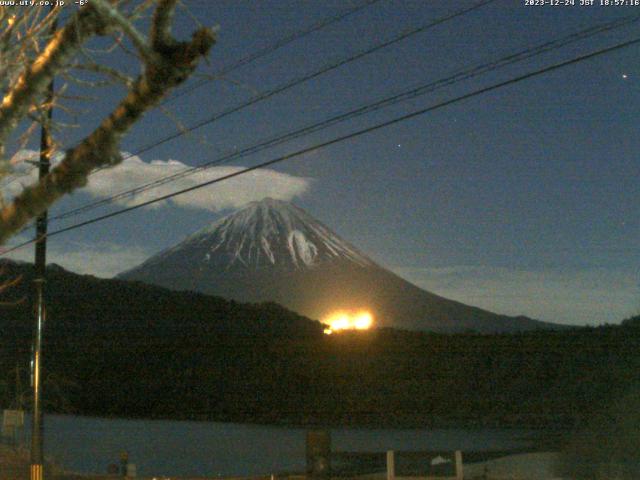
(274, 251)
(264, 235)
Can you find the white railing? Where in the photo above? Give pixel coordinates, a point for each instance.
(391, 469)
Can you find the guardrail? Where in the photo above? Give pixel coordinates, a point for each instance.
(424, 465)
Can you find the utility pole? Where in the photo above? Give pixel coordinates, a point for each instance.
(46, 146)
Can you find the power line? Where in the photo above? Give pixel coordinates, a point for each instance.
(280, 43)
(269, 93)
(286, 86)
(327, 68)
(367, 108)
(342, 138)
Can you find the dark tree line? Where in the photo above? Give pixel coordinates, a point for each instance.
(131, 350)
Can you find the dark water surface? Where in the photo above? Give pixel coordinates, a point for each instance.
(177, 448)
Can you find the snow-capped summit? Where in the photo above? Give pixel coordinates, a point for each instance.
(272, 232)
(269, 234)
(274, 251)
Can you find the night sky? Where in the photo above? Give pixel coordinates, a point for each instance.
(524, 200)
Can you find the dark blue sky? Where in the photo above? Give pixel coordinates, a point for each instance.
(522, 200)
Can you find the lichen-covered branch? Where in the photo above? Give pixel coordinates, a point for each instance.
(171, 63)
(35, 79)
(113, 16)
(161, 26)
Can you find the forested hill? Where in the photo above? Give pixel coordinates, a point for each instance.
(115, 348)
(85, 306)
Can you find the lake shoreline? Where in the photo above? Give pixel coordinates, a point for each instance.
(543, 465)
(415, 422)
(194, 448)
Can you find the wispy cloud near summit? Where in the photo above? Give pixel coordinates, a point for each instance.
(232, 193)
(134, 171)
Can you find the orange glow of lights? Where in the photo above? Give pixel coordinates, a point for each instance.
(344, 320)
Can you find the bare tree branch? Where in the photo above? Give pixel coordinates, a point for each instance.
(169, 64)
(112, 15)
(161, 26)
(35, 79)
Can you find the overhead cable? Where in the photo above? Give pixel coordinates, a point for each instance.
(343, 138)
(461, 75)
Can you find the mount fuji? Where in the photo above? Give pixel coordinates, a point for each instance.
(274, 251)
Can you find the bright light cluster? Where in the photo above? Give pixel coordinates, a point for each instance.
(345, 320)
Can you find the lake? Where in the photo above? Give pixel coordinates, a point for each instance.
(181, 448)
